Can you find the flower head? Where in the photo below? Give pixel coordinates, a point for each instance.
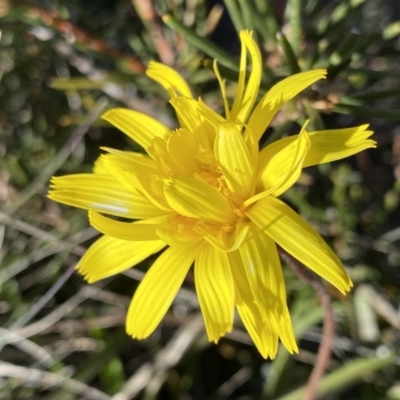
(206, 195)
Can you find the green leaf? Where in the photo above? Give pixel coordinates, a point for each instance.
(235, 14)
(289, 53)
(378, 95)
(391, 31)
(370, 112)
(201, 43)
(343, 377)
(341, 12)
(294, 18)
(266, 13)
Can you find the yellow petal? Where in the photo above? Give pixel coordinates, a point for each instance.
(134, 231)
(233, 155)
(177, 155)
(99, 167)
(277, 96)
(209, 114)
(129, 160)
(326, 146)
(139, 127)
(136, 172)
(102, 193)
(109, 256)
(264, 274)
(152, 188)
(205, 134)
(225, 241)
(182, 149)
(282, 169)
(257, 259)
(251, 312)
(299, 239)
(215, 290)
(169, 79)
(179, 231)
(119, 165)
(187, 112)
(193, 198)
(199, 119)
(241, 80)
(223, 89)
(244, 102)
(261, 252)
(189, 115)
(335, 144)
(156, 292)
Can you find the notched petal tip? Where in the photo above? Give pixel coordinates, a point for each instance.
(53, 180)
(346, 284)
(86, 272)
(293, 350)
(135, 335)
(215, 338)
(86, 276)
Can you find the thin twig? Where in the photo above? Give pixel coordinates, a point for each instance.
(48, 379)
(324, 351)
(384, 244)
(45, 251)
(27, 228)
(64, 309)
(29, 347)
(153, 24)
(44, 299)
(47, 321)
(51, 18)
(234, 382)
(2, 234)
(151, 376)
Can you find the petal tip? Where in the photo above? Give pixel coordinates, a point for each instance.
(109, 113)
(217, 335)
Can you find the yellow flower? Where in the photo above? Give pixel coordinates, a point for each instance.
(208, 194)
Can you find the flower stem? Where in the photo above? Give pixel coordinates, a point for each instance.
(324, 351)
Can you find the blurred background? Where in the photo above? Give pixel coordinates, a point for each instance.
(62, 64)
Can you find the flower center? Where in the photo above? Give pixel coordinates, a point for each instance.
(179, 156)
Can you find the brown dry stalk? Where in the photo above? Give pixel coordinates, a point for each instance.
(50, 18)
(152, 22)
(324, 351)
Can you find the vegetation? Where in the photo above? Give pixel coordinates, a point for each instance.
(62, 64)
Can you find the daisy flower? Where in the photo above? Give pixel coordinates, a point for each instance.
(205, 195)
